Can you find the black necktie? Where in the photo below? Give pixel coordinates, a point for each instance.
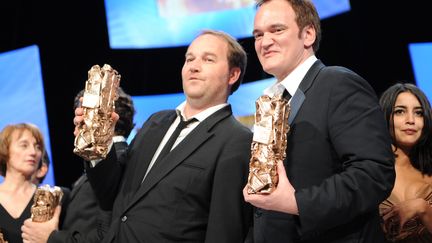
(167, 148)
(286, 95)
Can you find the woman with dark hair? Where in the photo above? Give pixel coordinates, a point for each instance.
(21, 151)
(407, 213)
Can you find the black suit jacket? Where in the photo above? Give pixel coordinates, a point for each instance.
(193, 195)
(339, 160)
(83, 213)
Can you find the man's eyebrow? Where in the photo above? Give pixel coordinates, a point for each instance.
(209, 54)
(273, 26)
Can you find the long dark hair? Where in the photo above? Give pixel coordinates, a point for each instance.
(421, 153)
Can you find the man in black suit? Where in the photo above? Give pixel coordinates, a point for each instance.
(339, 162)
(192, 193)
(82, 213)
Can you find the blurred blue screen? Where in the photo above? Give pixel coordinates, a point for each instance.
(22, 94)
(169, 23)
(421, 56)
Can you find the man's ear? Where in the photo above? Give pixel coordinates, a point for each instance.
(309, 35)
(234, 75)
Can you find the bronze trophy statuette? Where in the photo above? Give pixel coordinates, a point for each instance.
(2, 240)
(269, 143)
(45, 200)
(96, 132)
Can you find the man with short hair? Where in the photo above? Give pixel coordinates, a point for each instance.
(189, 190)
(339, 162)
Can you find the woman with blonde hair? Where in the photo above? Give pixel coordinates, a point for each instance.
(21, 151)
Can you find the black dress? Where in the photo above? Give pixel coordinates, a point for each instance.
(11, 227)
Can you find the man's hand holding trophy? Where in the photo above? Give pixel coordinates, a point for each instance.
(95, 132)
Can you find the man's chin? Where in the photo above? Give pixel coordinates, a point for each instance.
(194, 94)
(270, 69)
(268, 64)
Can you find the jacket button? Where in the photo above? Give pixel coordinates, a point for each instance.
(258, 213)
(124, 218)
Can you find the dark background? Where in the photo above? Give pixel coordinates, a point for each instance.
(372, 39)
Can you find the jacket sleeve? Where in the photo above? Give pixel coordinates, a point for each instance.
(361, 142)
(95, 235)
(229, 215)
(105, 179)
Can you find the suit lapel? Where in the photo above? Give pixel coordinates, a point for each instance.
(310, 76)
(77, 185)
(189, 144)
(174, 158)
(299, 96)
(149, 142)
(295, 104)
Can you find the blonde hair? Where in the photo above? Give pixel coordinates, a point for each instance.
(6, 140)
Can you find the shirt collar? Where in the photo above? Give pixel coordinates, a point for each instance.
(203, 114)
(293, 80)
(117, 139)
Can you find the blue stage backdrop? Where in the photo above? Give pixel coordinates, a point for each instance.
(168, 23)
(22, 94)
(421, 56)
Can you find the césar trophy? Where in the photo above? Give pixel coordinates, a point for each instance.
(269, 143)
(45, 201)
(2, 240)
(96, 132)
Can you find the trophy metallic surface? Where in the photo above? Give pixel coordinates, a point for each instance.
(2, 240)
(96, 132)
(269, 143)
(45, 201)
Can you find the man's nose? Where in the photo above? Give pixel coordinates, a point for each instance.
(195, 66)
(267, 40)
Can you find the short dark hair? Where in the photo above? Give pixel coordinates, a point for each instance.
(306, 14)
(421, 153)
(236, 54)
(124, 107)
(45, 160)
